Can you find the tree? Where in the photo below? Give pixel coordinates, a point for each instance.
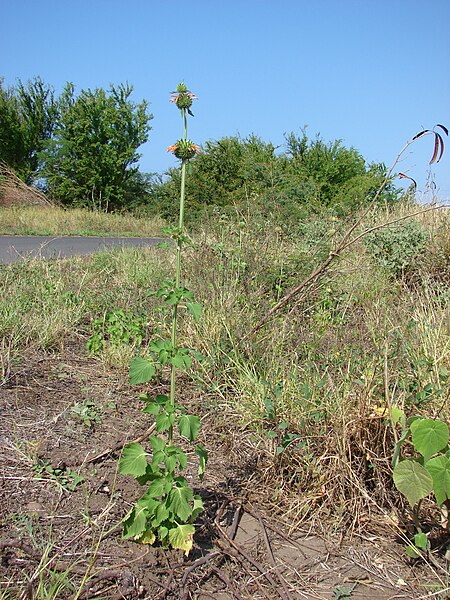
(91, 156)
(27, 116)
(242, 174)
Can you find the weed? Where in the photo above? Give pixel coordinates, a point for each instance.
(87, 411)
(116, 328)
(62, 476)
(168, 509)
(426, 472)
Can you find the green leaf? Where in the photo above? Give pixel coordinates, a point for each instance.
(412, 480)
(203, 459)
(141, 370)
(148, 537)
(198, 507)
(161, 514)
(397, 414)
(162, 533)
(133, 460)
(189, 426)
(195, 310)
(439, 469)
(429, 436)
(152, 408)
(421, 541)
(156, 488)
(178, 502)
(164, 422)
(134, 523)
(181, 537)
(157, 443)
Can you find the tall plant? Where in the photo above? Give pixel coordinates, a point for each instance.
(169, 507)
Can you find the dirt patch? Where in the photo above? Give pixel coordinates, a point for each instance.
(63, 421)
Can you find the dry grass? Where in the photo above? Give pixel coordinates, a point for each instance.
(14, 192)
(40, 220)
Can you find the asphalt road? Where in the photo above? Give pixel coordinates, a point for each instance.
(18, 247)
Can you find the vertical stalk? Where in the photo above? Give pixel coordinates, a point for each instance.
(178, 275)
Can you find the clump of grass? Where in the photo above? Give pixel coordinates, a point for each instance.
(40, 220)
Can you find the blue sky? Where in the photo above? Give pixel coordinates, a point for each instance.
(370, 72)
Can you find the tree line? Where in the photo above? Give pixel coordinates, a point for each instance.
(82, 150)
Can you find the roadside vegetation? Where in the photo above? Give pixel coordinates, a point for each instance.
(312, 386)
(318, 356)
(54, 220)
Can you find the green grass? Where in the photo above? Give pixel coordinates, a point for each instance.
(36, 220)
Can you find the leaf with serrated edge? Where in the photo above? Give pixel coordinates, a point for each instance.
(133, 460)
(181, 537)
(135, 521)
(189, 426)
(141, 370)
(178, 502)
(156, 488)
(412, 480)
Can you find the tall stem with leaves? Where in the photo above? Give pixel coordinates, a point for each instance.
(168, 509)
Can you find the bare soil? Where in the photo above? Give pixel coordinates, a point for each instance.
(241, 551)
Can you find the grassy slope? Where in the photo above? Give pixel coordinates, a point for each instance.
(36, 220)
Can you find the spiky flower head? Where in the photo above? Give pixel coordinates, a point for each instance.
(184, 149)
(183, 97)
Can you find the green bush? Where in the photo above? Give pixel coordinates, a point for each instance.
(397, 248)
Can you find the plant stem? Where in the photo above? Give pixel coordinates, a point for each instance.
(178, 275)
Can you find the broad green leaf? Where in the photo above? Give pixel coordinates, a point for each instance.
(134, 523)
(156, 488)
(157, 443)
(178, 502)
(429, 436)
(162, 399)
(162, 533)
(413, 552)
(195, 310)
(133, 460)
(203, 459)
(421, 541)
(152, 408)
(170, 463)
(180, 537)
(161, 514)
(439, 469)
(189, 426)
(148, 475)
(412, 480)
(164, 421)
(141, 370)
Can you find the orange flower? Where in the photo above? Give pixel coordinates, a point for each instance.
(184, 149)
